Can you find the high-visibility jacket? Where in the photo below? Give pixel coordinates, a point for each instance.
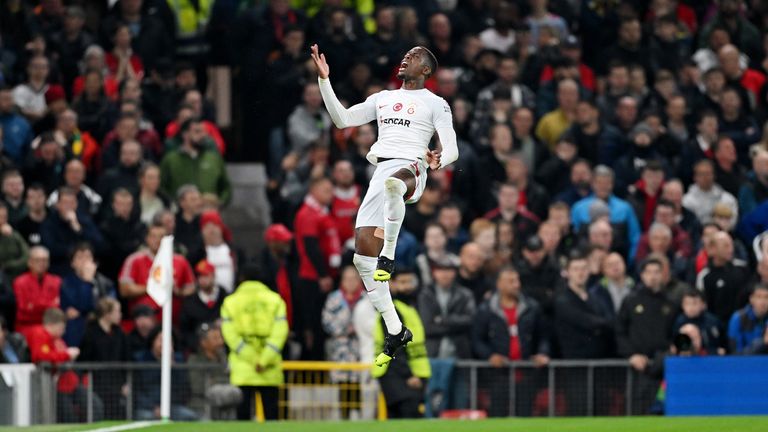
(416, 350)
(255, 329)
(364, 9)
(191, 24)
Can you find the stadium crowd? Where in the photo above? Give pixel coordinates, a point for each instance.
(611, 191)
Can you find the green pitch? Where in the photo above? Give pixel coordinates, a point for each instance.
(623, 424)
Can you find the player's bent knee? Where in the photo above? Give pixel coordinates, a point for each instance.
(395, 186)
(363, 264)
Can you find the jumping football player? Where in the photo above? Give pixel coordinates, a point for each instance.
(407, 120)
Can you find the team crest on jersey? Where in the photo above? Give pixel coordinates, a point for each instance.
(411, 108)
(398, 106)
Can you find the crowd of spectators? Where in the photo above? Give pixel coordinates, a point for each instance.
(611, 190)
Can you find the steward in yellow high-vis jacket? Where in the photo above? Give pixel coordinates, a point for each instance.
(403, 380)
(255, 329)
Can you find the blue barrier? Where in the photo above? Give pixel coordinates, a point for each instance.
(716, 385)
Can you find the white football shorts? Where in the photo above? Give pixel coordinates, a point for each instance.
(371, 213)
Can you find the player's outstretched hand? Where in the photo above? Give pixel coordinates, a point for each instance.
(322, 66)
(433, 159)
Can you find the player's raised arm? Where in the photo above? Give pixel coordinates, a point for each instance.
(356, 115)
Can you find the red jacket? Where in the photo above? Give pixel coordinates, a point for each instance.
(33, 297)
(45, 348)
(343, 211)
(313, 220)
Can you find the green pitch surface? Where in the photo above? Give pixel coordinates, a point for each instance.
(624, 424)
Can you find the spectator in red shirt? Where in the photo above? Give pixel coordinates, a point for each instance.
(35, 291)
(135, 272)
(94, 60)
(346, 200)
(121, 61)
(317, 242)
(45, 340)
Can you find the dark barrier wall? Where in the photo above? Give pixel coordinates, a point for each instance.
(716, 385)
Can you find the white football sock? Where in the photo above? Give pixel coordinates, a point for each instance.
(394, 212)
(378, 292)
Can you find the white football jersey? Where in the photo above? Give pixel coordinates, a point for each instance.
(407, 120)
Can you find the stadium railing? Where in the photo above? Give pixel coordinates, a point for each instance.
(88, 392)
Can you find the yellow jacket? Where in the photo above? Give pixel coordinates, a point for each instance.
(255, 328)
(416, 350)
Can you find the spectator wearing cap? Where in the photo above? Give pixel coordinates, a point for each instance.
(203, 306)
(554, 123)
(35, 291)
(538, 273)
(447, 310)
(144, 321)
(29, 96)
(192, 163)
(105, 342)
(16, 132)
(621, 214)
(724, 279)
(122, 230)
(216, 249)
(704, 194)
(754, 190)
(134, 274)
(280, 264)
(509, 326)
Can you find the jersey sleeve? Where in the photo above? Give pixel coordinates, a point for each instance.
(443, 121)
(355, 115)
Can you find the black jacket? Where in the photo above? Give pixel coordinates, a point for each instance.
(123, 237)
(455, 323)
(539, 283)
(584, 329)
(490, 332)
(644, 324)
(188, 234)
(193, 314)
(19, 345)
(724, 288)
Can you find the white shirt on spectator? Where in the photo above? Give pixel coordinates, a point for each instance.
(220, 257)
(28, 99)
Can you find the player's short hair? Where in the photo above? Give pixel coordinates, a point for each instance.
(430, 60)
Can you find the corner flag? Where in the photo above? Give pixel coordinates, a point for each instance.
(160, 288)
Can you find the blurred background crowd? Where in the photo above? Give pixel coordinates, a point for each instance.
(632, 133)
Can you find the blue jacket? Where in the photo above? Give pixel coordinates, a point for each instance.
(17, 134)
(744, 330)
(621, 213)
(753, 223)
(82, 296)
(58, 236)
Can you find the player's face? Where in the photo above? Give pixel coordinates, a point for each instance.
(412, 65)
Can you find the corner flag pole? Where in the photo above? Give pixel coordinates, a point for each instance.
(160, 288)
